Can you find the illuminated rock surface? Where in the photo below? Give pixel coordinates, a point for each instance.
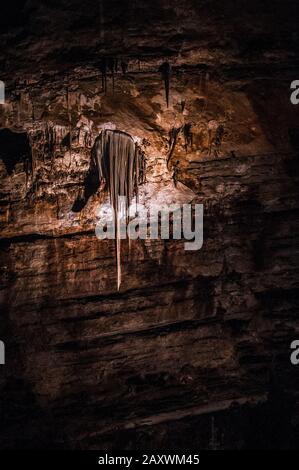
(193, 351)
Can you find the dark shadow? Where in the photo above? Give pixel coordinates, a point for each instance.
(294, 138)
(91, 183)
(24, 423)
(15, 148)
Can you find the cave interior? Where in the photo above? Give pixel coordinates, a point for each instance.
(144, 344)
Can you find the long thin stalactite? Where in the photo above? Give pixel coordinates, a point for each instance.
(118, 162)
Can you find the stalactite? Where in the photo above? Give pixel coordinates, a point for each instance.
(49, 139)
(108, 65)
(103, 68)
(118, 162)
(173, 137)
(112, 66)
(165, 70)
(18, 108)
(32, 107)
(28, 164)
(215, 133)
(33, 163)
(218, 138)
(69, 121)
(142, 166)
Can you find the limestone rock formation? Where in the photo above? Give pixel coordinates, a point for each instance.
(193, 350)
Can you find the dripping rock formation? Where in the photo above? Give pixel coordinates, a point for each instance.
(182, 101)
(117, 161)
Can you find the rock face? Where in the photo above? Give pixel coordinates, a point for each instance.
(193, 351)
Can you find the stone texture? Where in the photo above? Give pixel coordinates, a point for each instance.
(193, 351)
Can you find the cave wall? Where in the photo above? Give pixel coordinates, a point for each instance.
(194, 345)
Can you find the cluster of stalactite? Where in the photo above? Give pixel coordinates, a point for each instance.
(119, 164)
(47, 140)
(50, 139)
(216, 133)
(110, 65)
